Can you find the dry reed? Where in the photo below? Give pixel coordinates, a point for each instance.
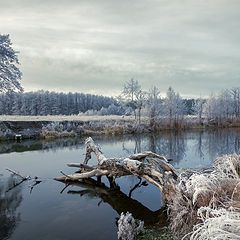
(216, 193)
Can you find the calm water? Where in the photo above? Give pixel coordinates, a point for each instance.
(52, 210)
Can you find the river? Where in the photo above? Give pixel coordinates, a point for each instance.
(52, 210)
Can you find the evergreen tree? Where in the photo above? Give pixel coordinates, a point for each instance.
(10, 75)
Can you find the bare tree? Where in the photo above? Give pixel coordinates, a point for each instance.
(154, 105)
(140, 101)
(221, 108)
(174, 107)
(131, 90)
(198, 109)
(235, 92)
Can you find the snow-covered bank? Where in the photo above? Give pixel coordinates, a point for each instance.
(75, 125)
(63, 126)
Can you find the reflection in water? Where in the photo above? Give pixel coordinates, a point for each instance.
(32, 145)
(176, 145)
(194, 149)
(169, 144)
(119, 201)
(172, 144)
(199, 145)
(218, 143)
(10, 199)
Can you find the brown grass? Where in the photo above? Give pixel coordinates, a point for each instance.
(56, 134)
(216, 190)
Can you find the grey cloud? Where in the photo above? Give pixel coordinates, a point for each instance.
(96, 45)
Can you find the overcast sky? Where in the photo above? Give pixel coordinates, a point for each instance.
(95, 46)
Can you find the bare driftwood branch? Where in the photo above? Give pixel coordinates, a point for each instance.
(17, 174)
(153, 167)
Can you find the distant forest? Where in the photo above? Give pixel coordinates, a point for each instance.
(51, 103)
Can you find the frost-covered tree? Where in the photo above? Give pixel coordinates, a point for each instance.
(10, 75)
(198, 108)
(220, 108)
(15, 105)
(210, 108)
(174, 107)
(226, 108)
(135, 97)
(154, 104)
(51, 103)
(131, 90)
(235, 92)
(140, 101)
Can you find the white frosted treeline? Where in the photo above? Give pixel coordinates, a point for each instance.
(62, 118)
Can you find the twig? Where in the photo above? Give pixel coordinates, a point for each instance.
(36, 183)
(15, 185)
(17, 174)
(67, 185)
(67, 176)
(136, 186)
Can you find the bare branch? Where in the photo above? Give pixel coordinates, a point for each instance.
(151, 166)
(17, 174)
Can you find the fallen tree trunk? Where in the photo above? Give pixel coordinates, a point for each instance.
(196, 198)
(153, 167)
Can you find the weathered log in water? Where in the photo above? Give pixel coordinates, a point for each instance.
(153, 167)
(191, 199)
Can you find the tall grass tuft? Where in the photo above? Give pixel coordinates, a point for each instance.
(213, 191)
(56, 134)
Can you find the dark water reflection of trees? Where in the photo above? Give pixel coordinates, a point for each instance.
(175, 145)
(10, 199)
(171, 144)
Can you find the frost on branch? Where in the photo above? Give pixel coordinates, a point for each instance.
(151, 166)
(127, 227)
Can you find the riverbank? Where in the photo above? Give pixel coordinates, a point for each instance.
(60, 127)
(51, 127)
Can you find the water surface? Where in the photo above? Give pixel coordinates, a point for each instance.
(52, 210)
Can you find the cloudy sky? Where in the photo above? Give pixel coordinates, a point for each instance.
(95, 46)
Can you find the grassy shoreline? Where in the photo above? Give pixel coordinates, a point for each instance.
(53, 127)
